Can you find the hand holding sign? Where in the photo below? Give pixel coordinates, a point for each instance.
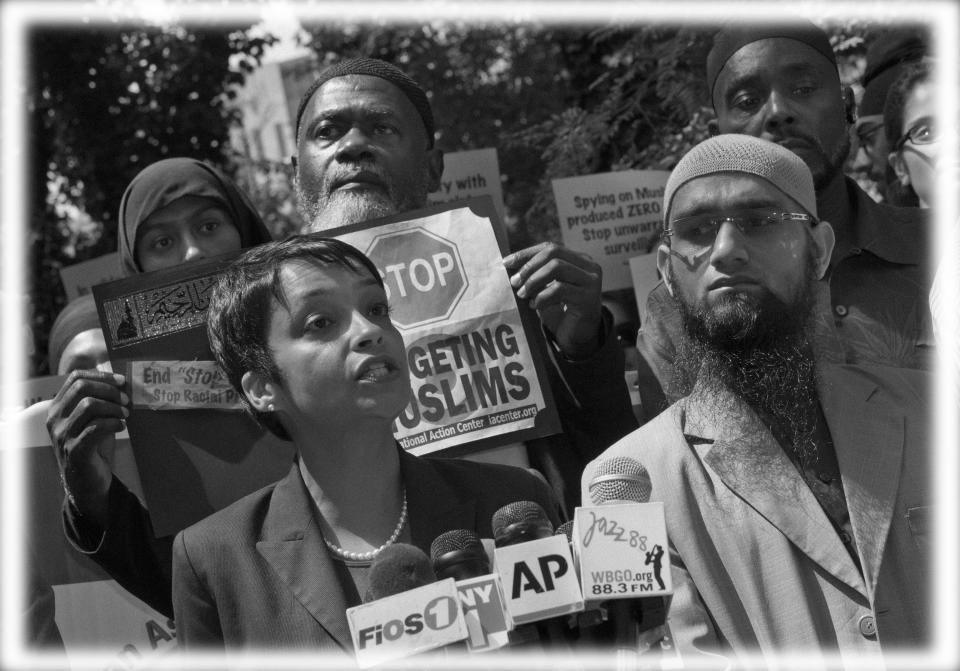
(82, 420)
(563, 286)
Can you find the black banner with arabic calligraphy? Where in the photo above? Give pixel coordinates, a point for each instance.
(192, 462)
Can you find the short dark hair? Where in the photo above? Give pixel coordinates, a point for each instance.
(914, 74)
(238, 320)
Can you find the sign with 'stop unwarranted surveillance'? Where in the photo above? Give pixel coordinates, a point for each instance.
(611, 217)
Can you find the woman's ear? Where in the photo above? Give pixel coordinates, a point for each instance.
(261, 393)
(895, 159)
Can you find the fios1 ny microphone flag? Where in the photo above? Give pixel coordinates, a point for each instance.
(406, 612)
(460, 554)
(535, 566)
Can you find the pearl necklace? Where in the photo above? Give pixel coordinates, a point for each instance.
(350, 555)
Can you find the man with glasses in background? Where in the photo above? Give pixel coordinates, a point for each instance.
(890, 52)
(780, 83)
(795, 492)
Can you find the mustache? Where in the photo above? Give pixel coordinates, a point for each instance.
(367, 170)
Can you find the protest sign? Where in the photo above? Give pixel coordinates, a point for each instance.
(469, 174)
(611, 217)
(91, 609)
(78, 278)
(197, 452)
(475, 374)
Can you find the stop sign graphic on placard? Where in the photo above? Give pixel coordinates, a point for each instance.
(423, 275)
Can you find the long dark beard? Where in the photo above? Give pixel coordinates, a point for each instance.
(761, 350)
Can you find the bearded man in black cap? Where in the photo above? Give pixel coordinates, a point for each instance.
(780, 83)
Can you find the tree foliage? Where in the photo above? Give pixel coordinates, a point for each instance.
(555, 101)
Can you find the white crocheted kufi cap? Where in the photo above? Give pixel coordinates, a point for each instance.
(747, 154)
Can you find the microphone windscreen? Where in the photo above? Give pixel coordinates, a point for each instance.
(519, 522)
(565, 529)
(459, 554)
(398, 568)
(620, 479)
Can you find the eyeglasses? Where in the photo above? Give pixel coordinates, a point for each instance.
(866, 133)
(923, 132)
(699, 232)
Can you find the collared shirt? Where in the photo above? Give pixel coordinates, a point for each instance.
(879, 290)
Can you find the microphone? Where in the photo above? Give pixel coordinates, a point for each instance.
(565, 529)
(535, 566)
(398, 568)
(405, 610)
(612, 538)
(519, 522)
(460, 554)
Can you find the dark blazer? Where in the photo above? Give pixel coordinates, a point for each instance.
(257, 574)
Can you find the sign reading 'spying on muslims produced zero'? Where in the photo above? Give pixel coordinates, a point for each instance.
(612, 217)
(474, 373)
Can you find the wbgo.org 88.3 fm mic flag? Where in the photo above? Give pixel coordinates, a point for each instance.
(621, 547)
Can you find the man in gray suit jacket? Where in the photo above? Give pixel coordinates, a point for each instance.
(796, 493)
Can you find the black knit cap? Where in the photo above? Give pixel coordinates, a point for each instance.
(887, 58)
(732, 37)
(374, 68)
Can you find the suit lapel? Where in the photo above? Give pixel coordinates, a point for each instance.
(294, 547)
(425, 488)
(750, 462)
(868, 431)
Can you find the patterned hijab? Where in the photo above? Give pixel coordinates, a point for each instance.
(163, 182)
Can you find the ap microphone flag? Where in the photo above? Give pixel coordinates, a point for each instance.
(535, 566)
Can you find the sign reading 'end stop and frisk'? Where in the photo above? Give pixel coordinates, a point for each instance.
(422, 273)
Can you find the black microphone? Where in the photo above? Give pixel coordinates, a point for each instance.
(398, 568)
(625, 482)
(519, 522)
(459, 554)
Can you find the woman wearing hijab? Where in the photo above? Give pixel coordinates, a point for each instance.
(175, 210)
(180, 209)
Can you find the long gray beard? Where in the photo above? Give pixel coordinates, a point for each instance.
(762, 354)
(343, 210)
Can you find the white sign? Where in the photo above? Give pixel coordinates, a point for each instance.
(472, 372)
(79, 277)
(408, 623)
(622, 550)
(539, 580)
(467, 174)
(181, 385)
(611, 217)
